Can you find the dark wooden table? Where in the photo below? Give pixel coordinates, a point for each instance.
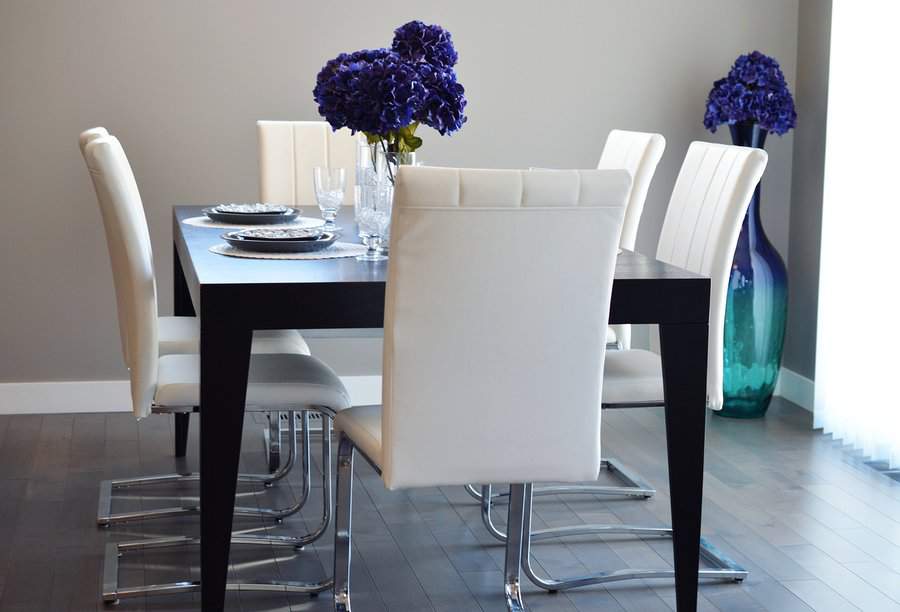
(236, 296)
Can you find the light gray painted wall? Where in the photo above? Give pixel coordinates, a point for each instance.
(182, 83)
(813, 50)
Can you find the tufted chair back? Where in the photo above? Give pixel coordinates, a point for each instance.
(495, 321)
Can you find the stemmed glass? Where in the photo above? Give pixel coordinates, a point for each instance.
(329, 184)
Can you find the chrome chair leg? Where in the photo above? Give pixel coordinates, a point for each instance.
(105, 517)
(112, 591)
(512, 587)
(327, 494)
(723, 568)
(342, 525)
(635, 485)
(272, 440)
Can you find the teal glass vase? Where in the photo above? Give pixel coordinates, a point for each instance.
(756, 310)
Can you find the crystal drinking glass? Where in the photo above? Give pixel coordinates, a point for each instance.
(374, 222)
(329, 183)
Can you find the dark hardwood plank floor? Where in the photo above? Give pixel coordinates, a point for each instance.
(817, 528)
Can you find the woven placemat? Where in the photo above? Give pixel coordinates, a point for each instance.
(204, 221)
(335, 251)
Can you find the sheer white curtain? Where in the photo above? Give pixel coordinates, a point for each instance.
(857, 395)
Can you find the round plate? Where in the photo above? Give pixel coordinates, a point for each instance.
(251, 209)
(252, 218)
(281, 233)
(280, 246)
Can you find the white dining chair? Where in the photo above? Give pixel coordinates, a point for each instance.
(699, 234)
(180, 335)
(126, 229)
(458, 365)
(639, 153)
(288, 153)
(171, 383)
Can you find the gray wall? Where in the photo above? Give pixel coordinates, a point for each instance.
(182, 83)
(806, 189)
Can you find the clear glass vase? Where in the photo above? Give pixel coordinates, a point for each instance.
(376, 168)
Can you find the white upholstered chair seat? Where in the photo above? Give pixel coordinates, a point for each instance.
(632, 377)
(363, 425)
(181, 336)
(275, 381)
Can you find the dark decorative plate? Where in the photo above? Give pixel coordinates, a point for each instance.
(280, 245)
(275, 215)
(281, 234)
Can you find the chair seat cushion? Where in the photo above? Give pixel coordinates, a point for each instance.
(362, 424)
(277, 381)
(632, 376)
(181, 336)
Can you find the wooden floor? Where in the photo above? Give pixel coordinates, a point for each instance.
(816, 527)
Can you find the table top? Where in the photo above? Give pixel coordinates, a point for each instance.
(638, 278)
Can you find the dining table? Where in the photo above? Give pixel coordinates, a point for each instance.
(235, 296)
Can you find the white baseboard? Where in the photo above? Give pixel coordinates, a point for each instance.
(795, 388)
(114, 396)
(65, 397)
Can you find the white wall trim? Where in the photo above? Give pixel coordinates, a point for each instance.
(795, 388)
(65, 397)
(113, 395)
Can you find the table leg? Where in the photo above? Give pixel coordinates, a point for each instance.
(225, 359)
(684, 355)
(183, 307)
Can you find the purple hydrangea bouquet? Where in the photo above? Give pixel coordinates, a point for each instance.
(754, 91)
(753, 100)
(387, 93)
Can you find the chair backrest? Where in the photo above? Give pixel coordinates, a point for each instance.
(639, 153)
(90, 135)
(495, 322)
(700, 231)
(288, 152)
(118, 264)
(128, 240)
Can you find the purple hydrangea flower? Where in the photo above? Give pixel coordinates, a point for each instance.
(419, 42)
(369, 91)
(754, 90)
(382, 91)
(444, 103)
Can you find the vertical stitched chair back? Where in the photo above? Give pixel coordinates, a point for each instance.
(700, 231)
(288, 152)
(128, 240)
(639, 153)
(495, 323)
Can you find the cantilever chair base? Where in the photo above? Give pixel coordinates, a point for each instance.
(105, 517)
(113, 592)
(722, 567)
